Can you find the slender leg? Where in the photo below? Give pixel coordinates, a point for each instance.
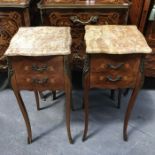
(86, 112)
(5, 84)
(126, 92)
(42, 96)
(112, 96)
(22, 109)
(131, 105)
(25, 115)
(37, 100)
(72, 105)
(54, 95)
(83, 103)
(68, 107)
(119, 98)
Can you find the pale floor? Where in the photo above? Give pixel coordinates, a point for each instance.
(105, 126)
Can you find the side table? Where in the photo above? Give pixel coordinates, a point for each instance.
(114, 61)
(38, 61)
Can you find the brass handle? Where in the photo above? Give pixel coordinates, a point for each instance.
(39, 81)
(75, 19)
(118, 78)
(115, 66)
(39, 69)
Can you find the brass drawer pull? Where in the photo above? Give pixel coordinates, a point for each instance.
(118, 78)
(115, 66)
(40, 81)
(75, 19)
(39, 69)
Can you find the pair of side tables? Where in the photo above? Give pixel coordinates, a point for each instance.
(38, 59)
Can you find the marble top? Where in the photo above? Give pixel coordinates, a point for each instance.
(40, 41)
(115, 39)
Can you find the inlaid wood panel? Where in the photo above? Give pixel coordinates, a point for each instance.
(150, 37)
(13, 14)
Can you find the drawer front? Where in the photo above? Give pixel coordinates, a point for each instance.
(38, 65)
(87, 16)
(113, 71)
(40, 82)
(122, 64)
(111, 81)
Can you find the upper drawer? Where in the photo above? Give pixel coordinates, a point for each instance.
(38, 65)
(70, 17)
(122, 64)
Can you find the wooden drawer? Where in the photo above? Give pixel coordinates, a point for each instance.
(40, 82)
(113, 71)
(35, 65)
(72, 17)
(111, 81)
(111, 63)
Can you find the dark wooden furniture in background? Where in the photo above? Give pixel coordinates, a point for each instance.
(150, 37)
(142, 14)
(13, 14)
(77, 14)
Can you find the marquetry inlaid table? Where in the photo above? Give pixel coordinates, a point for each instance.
(114, 61)
(38, 61)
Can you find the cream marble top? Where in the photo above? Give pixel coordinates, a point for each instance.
(40, 41)
(115, 39)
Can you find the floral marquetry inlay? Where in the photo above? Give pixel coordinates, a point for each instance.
(9, 23)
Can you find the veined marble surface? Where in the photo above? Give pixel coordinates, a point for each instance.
(40, 41)
(115, 39)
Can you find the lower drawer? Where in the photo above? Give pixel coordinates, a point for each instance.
(39, 82)
(101, 80)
